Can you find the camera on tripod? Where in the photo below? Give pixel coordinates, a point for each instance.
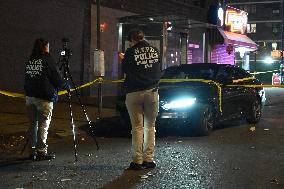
(65, 53)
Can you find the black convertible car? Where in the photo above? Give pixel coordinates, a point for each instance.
(198, 96)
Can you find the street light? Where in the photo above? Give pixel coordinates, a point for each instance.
(268, 60)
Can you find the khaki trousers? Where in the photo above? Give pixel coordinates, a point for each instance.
(143, 108)
(39, 113)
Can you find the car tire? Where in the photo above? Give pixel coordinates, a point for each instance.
(204, 121)
(254, 113)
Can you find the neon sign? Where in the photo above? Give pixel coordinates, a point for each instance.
(236, 20)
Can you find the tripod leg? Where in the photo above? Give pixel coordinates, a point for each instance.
(83, 109)
(87, 118)
(72, 126)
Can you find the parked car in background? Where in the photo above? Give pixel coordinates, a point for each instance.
(196, 97)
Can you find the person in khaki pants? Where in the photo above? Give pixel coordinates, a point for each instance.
(142, 67)
(42, 82)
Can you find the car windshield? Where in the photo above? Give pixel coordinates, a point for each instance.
(190, 72)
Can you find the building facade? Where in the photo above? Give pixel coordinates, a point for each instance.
(23, 22)
(229, 40)
(184, 16)
(265, 28)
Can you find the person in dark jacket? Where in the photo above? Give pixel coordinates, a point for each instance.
(42, 82)
(142, 67)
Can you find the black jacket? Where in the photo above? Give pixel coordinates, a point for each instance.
(142, 66)
(43, 79)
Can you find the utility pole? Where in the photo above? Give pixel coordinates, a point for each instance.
(100, 96)
(98, 25)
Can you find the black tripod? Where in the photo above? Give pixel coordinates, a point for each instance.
(67, 76)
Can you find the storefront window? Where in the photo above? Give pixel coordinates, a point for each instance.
(276, 28)
(275, 8)
(193, 55)
(251, 28)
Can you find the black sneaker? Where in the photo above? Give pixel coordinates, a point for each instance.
(44, 156)
(135, 166)
(149, 165)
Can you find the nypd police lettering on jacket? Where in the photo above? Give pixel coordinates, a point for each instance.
(34, 68)
(146, 56)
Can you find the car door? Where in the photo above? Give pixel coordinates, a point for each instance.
(246, 94)
(229, 95)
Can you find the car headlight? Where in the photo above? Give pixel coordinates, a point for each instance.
(180, 103)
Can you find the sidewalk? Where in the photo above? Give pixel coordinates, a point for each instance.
(13, 117)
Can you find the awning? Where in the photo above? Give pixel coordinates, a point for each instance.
(217, 35)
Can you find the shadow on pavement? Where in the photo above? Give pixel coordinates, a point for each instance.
(108, 127)
(116, 127)
(15, 161)
(128, 179)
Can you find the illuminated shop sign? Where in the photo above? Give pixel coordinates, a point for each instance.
(236, 20)
(276, 53)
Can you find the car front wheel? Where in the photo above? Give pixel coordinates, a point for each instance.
(204, 121)
(254, 113)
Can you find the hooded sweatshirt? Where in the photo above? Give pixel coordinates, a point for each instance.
(142, 66)
(43, 79)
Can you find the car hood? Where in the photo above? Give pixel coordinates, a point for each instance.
(198, 90)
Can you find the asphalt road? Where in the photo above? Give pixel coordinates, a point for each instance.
(235, 156)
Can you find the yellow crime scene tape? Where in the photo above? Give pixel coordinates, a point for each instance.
(11, 94)
(101, 80)
(244, 79)
(19, 95)
(81, 86)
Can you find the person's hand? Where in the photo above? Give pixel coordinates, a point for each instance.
(121, 55)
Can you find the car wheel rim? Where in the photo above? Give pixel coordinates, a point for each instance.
(209, 119)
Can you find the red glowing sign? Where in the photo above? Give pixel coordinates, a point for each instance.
(236, 20)
(276, 79)
(103, 27)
